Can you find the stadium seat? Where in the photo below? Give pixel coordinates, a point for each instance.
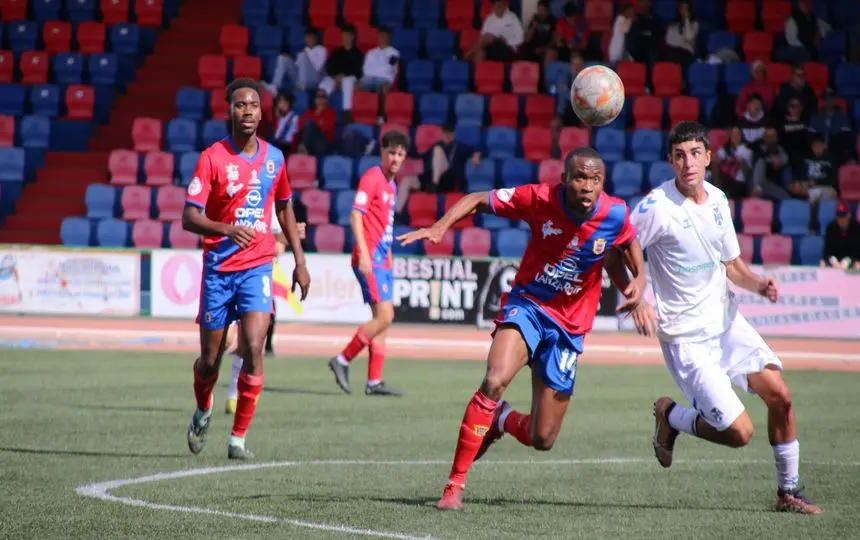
(440, 44)
(266, 41)
(611, 143)
(302, 171)
(426, 15)
(422, 209)
(524, 77)
(80, 102)
(426, 135)
(847, 80)
(287, 11)
(740, 16)
(115, 11)
(318, 205)
(179, 238)
(481, 177)
(475, 242)
(718, 40)
(648, 113)
(158, 167)
(124, 38)
(391, 13)
(90, 36)
(233, 39)
(537, 143)
(412, 167)
(718, 137)
(539, 110)
(12, 164)
(469, 110)
(445, 248)
(469, 135)
(572, 138)
(826, 213)
(356, 12)
(16, 10)
(45, 100)
(147, 234)
(510, 243)
(747, 245)
(22, 35)
(434, 108)
(343, 200)
(365, 163)
(773, 18)
(758, 46)
(756, 216)
(703, 80)
(247, 67)
(169, 202)
(75, 231)
(35, 132)
(336, 173)
(420, 76)
(516, 172)
(683, 108)
(504, 110)
(136, 202)
(817, 76)
(634, 76)
(7, 131)
(489, 77)
(12, 97)
(659, 172)
(212, 132)
(57, 36)
(365, 107)
(598, 14)
(329, 238)
(103, 69)
(454, 76)
(448, 201)
(100, 200)
(187, 164)
(647, 145)
(149, 14)
(212, 71)
(626, 178)
(123, 166)
(736, 75)
(810, 250)
(550, 171)
(501, 142)
(81, 10)
(399, 108)
(666, 79)
(34, 67)
(794, 216)
(146, 134)
(181, 135)
(368, 38)
(776, 249)
(191, 103)
(68, 68)
(7, 67)
(778, 73)
(459, 14)
(849, 182)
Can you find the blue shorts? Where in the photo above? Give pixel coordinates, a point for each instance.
(226, 296)
(378, 288)
(552, 351)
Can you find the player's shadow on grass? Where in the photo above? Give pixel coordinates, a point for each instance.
(86, 453)
(424, 501)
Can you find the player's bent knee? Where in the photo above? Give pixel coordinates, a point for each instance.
(779, 400)
(740, 433)
(385, 314)
(543, 443)
(495, 383)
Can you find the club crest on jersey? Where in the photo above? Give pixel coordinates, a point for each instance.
(718, 216)
(270, 167)
(195, 187)
(574, 243)
(549, 230)
(233, 188)
(599, 246)
(232, 171)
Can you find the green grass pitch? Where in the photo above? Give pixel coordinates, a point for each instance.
(74, 418)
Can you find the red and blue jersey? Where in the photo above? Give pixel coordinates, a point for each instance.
(562, 269)
(234, 188)
(375, 198)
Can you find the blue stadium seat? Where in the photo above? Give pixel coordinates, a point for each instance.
(213, 131)
(46, 10)
(415, 248)
(434, 108)
(666, 9)
(469, 110)
(647, 145)
(12, 98)
(288, 12)
(557, 73)
(510, 243)
(22, 36)
(45, 100)
(610, 143)
(187, 164)
(303, 101)
(501, 142)
(112, 233)
(407, 41)
(181, 135)
(365, 163)
(794, 217)
(826, 214)
(343, 206)
(516, 172)
(12, 164)
(81, 10)
(75, 231)
(702, 80)
(454, 76)
(722, 40)
(659, 172)
(420, 76)
(365, 130)
(391, 13)
(810, 250)
(69, 68)
(101, 200)
(845, 14)
(336, 173)
(626, 178)
(255, 13)
(470, 135)
(267, 41)
(191, 103)
(831, 50)
(124, 38)
(35, 132)
(735, 76)
(103, 69)
(440, 44)
(481, 177)
(847, 80)
(492, 221)
(426, 13)
(709, 14)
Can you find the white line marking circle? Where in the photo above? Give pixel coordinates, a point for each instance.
(101, 490)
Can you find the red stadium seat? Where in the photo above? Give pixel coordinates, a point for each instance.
(147, 234)
(504, 110)
(747, 244)
(333, 38)
(421, 208)
(459, 14)
(537, 143)
(412, 167)
(115, 11)
(666, 79)
(149, 13)
(212, 70)
(234, 40)
(489, 77)
(330, 238)
(302, 171)
(550, 171)
(718, 138)
(158, 167)
(7, 67)
(484, 9)
(758, 46)
(322, 13)
(80, 101)
(123, 166)
(169, 202)
(179, 238)
(136, 202)
(368, 38)
(817, 76)
(648, 113)
(778, 73)
(449, 200)
(357, 12)
(683, 108)
(468, 37)
(90, 37)
(146, 134)
(633, 75)
(218, 103)
(540, 109)
(426, 135)
(445, 248)
(773, 18)
(599, 15)
(849, 182)
(756, 216)
(13, 10)
(34, 67)
(525, 77)
(7, 131)
(572, 138)
(250, 67)
(399, 108)
(475, 242)
(57, 36)
(365, 108)
(776, 249)
(318, 205)
(740, 16)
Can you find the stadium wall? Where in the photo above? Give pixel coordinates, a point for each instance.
(165, 283)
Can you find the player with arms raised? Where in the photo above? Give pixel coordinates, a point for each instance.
(551, 306)
(686, 226)
(372, 221)
(229, 203)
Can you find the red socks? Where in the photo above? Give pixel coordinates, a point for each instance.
(519, 425)
(377, 361)
(475, 425)
(249, 388)
(203, 388)
(358, 342)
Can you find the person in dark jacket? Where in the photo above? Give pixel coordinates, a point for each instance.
(344, 68)
(842, 240)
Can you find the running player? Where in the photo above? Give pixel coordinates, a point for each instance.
(550, 308)
(686, 226)
(372, 221)
(229, 203)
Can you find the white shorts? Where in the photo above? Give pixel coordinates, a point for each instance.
(705, 370)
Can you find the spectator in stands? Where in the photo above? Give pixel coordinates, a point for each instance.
(803, 32)
(794, 129)
(734, 166)
(758, 85)
(620, 30)
(770, 162)
(305, 73)
(842, 240)
(380, 67)
(286, 124)
(501, 35)
(343, 68)
(317, 126)
(646, 34)
(754, 121)
(681, 36)
(796, 88)
(571, 34)
(814, 176)
(539, 34)
(833, 124)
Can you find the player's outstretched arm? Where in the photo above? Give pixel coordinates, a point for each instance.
(465, 207)
(195, 221)
(287, 220)
(741, 275)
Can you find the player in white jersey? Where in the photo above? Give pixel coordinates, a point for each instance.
(685, 226)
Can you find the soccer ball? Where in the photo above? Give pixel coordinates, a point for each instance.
(597, 95)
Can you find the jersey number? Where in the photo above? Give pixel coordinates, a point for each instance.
(267, 286)
(567, 363)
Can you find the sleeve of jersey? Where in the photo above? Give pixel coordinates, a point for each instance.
(364, 193)
(646, 221)
(283, 191)
(201, 183)
(731, 249)
(628, 230)
(514, 203)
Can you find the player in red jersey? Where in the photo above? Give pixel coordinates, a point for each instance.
(551, 306)
(372, 221)
(229, 203)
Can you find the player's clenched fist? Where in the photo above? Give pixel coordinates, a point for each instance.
(241, 236)
(769, 289)
(433, 234)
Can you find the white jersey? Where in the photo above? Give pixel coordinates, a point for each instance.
(686, 244)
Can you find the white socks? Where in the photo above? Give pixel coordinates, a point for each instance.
(237, 441)
(233, 391)
(506, 410)
(683, 419)
(787, 457)
(341, 360)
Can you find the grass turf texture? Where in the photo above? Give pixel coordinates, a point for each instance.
(74, 418)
